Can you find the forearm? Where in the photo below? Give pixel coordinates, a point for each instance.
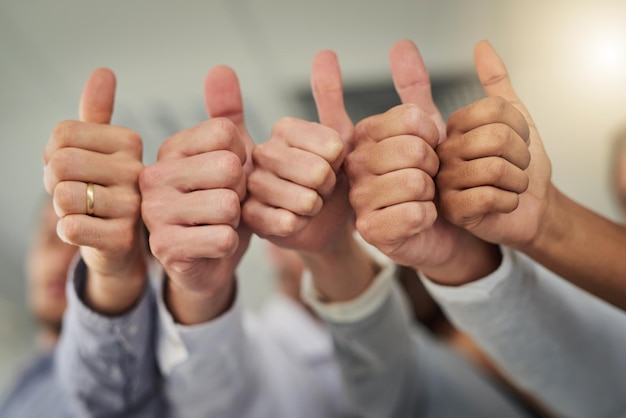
(106, 365)
(114, 296)
(470, 259)
(342, 273)
(583, 247)
(190, 307)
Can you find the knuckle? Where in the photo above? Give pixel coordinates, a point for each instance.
(232, 206)
(230, 165)
(416, 150)
(496, 107)
(132, 171)
(159, 246)
(287, 224)
(365, 228)
(421, 216)
(254, 182)
(64, 199)
(283, 127)
(228, 241)
(333, 145)
(261, 153)
(454, 121)
(134, 206)
(306, 200)
(62, 132)
(150, 209)
(72, 229)
(487, 199)
(224, 132)
(61, 163)
(132, 141)
(497, 167)
(357, 195)
(149, 177)
(167, 147)
(319, 174)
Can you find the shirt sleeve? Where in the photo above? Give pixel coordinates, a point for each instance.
(394, 368)
(558, 342)
(106, 365)
(231, 367)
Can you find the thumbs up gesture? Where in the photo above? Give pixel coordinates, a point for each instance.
(298, 195)
(392, 188)
(92, 170)
(191, 204)
(494, 178)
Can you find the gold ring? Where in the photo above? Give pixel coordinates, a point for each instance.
(90, 199)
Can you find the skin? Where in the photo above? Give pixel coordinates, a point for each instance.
(111, 241)
(619, 176)
(298, 193)
(199, 168)
(392, 190)
(495, 181)
(47, 264)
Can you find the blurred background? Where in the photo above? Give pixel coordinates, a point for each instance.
(567, 60)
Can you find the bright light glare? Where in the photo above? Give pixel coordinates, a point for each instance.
(607, 54)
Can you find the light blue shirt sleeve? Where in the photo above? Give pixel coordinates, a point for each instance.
(106, 365)
(233, 367)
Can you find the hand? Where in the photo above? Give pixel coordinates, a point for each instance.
(111, 240)
(191, 204)
(495, 175)
(391, 174)
(298, 196)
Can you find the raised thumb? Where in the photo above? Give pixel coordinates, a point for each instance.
(98, 97)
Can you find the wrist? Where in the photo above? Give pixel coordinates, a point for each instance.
(115, 294)
(344, 273)
(472, 259)
(554, 224)
(191, 307)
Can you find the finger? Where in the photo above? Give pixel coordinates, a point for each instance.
(327, 89)
(267, 221)
(392, 154)
(488, 171)
(109, 235)
(491, 140)
(393, 188)
(202, 207)
(211, 170)
(400, 120)
(97, 99)
(494, 76)
(212, 135)
(467, 208)
(70, 198)
(396, 223)
(93, 137)
(177, 242)
(73, 164)
(298, 166)
(487, 111)
(276, 192)
(311, 137)
(222, 98)
(412, 82)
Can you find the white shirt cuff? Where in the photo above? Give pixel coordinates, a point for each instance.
(356, 309)
(480, 289)
(177, 342)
